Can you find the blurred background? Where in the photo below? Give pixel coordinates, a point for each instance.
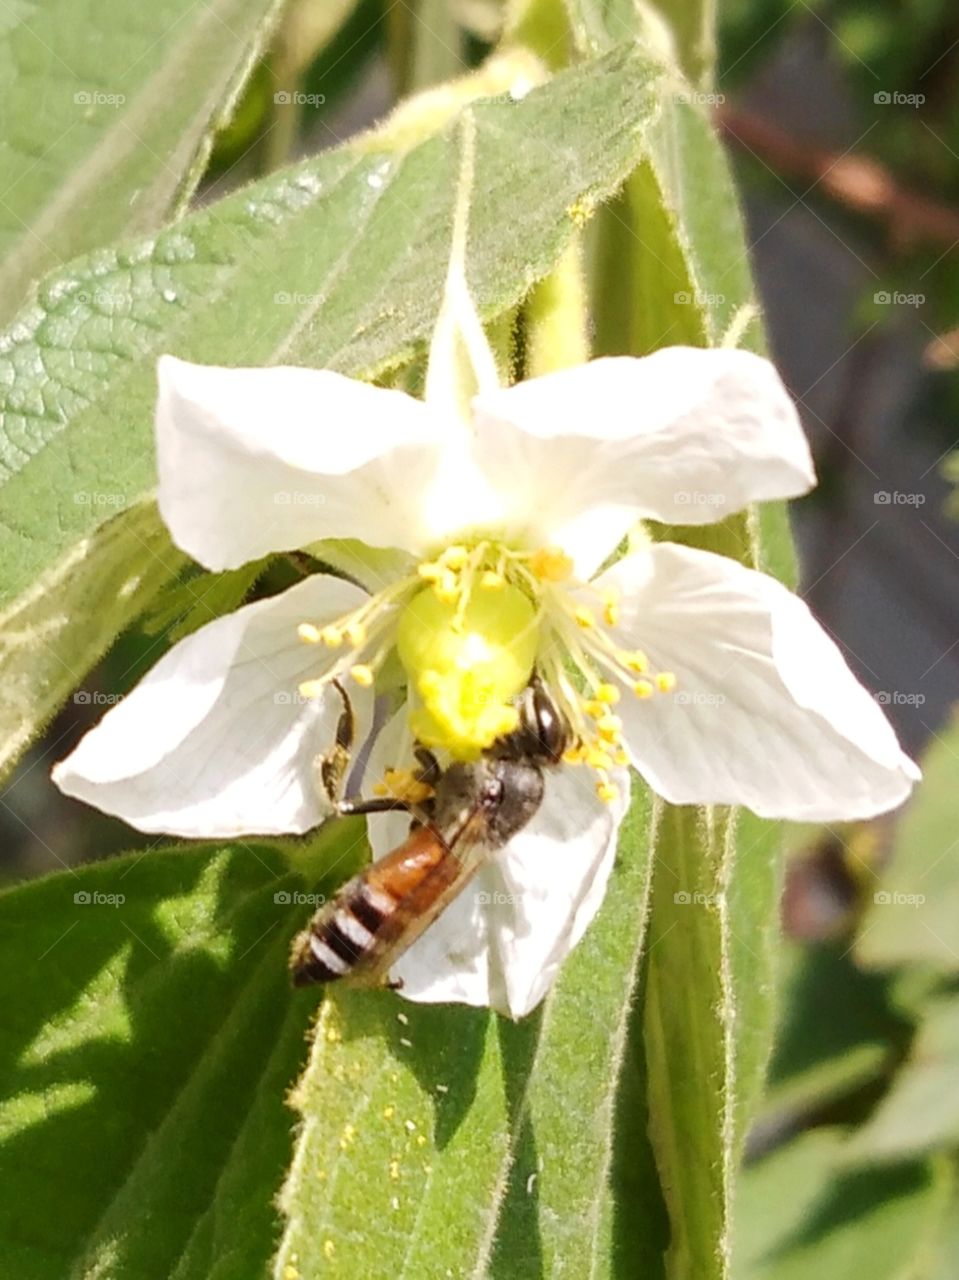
(841, 121)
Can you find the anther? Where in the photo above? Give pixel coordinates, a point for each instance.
(665, 682)
(549, 564)
(608, 693)
(332, 637)
(637, 661)
(310, 634)
(643, 689)
(492, 581)
(362, 674)
(312, 688)
(585, 617)
(356, 634)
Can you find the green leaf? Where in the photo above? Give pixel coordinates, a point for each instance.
(149, 1034)
(914, 913)
(707, 1018)
(677, 231)
(920, 1113)
(837, 1030)
(680, 31)
(337, 262)
(441, 1141)
(800, 1216)
(111, 107)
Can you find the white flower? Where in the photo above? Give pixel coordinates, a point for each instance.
(709, 678)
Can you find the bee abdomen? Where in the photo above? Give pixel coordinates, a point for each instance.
(342, 936)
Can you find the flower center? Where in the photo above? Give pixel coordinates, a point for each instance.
(470, 627)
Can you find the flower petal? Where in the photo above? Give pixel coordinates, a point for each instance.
(216, 740)
(684, 435)
(765, 713)
(502, 940)
(259, 460)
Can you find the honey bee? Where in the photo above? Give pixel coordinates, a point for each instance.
(474, 811)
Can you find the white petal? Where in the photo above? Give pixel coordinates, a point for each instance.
(684, 435)
(258, 460)
(216, 740)
(502, 941)
(766, 713)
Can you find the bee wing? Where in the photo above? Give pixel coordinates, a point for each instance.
(376, 916)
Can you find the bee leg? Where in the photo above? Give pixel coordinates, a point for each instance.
(430, 770)
(332, 765)
(394, 984)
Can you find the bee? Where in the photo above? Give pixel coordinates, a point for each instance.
(475, 810)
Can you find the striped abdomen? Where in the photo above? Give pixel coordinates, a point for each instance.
(379, 913)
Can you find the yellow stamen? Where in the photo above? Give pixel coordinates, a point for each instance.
(665, 682)
(637, 661)
(332, 637)
(356, 634)
(610, 608)
(549, 564)
(312, 688)
(362, 674)
(455, 557)
(608, 693)
(606, 791)
(585, 617)
(492, 581)
(430, 570)
(609, 729)
(306, 631)
(643, 689)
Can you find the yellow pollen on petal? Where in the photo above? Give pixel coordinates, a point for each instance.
(666, 682)
(403, 784)
(362, 674)
(643, 689)
(308, 633)
(549, 564)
